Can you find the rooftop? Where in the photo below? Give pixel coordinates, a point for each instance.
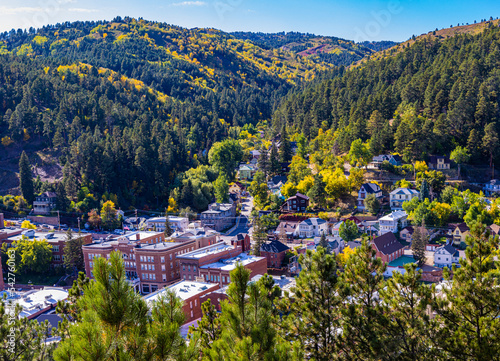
(401, 261)
(36, 300)
(205, 251)
(184, 290)
(230, 264)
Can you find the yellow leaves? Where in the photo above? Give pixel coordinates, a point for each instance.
(172, 206)
(40, 40)
(289, 190)
(421, 166)
(26, 136)
(6, 141)
(345, 255)
(305, 184)
(46, 69)
(27, 225)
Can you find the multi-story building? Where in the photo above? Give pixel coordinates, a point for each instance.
(219, 216)
(190, 263)
(297, 203)
(439, 162)
(365, 190)
(393, 222)
(446, 256)
(311, 227)
(202, 237)
(190, 292)
(57, 240)
(388, 247)
(401, 195)
(218, 272)
(178, 224)
(274, 252)
(44, 203)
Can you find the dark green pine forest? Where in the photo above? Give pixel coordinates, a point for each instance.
(422, 99)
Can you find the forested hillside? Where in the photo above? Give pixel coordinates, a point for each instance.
(129, 105)
(428, 98)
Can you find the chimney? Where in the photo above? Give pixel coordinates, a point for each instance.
(138, 237)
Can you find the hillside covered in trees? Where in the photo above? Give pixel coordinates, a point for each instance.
(435, 94)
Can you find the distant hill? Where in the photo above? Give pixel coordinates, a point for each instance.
(332, 50)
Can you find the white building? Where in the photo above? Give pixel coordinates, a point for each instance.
(492, 187)
(312, 227)
(401, 195)
(365, 190)
(446, 256)
(392, 221)
(178, 224)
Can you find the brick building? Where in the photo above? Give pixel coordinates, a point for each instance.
(218, 272)
(56, 239)
(274, 252)
(190, 263)
(388, 247)
(150, 263)
(202, 237)
(191, 293)
(219, 216)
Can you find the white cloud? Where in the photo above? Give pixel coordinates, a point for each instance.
(190, 3)
(67, 1)
(19, 10)
(81, 10)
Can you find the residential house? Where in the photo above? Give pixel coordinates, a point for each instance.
(312, 227)
(246, 171)
(334, 245)
(254, 154)
(365, 190)
(287, 227)
(44, 203)
(133, 223)
(439, 162)
(274, 252)
(393, 222)
(335, 230)
(388, 247)
(401, 195)
(297, 203)
(177, 224)
(219, 216)
(492, 187)
(407, 233)
(377, 161)
(446, 256)
(460, 232)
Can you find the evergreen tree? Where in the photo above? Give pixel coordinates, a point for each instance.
(348, 231)
(73, 253)
(221, 188)
(315, 307)
(372, 204)
(490, 141)
(317, 193)
(285, 151)
(62, 201)
(263, 161)
(26, 178)
(324, 243)
(418, 245)
(467, 326)
(460, 156)
(424, 191)
(208, 327)
(259, 235)
(168, 228)
(274, 162)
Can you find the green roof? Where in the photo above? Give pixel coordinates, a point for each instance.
(401, 261)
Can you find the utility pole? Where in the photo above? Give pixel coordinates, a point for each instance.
(78, 224)
(58, 220)
(136, 219)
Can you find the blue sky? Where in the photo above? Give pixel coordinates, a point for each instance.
(355, 20)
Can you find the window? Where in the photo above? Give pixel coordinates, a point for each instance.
(142, 259)
(183, 267)
(195, 303)
(163, 267)
(55, 248)
(162, 259)
(190, 304)
(170, 256)
(194, 268)
(189, 268)
(142, 266)
(164, 277)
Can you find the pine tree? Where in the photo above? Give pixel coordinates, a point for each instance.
(418, 244)
(285, 151)
(263, 161)
(424, 191)
(490, 141)
(324, 243)
(317, 193)
(168, 228)
(73, 254)
(315, 308)
(62, 201)
(274, 162)
(467, 326)
(26, 178)
(259, 235)
(348, 231)
(208, 327)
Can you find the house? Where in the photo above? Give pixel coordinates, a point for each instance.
(297, 203)
(407, 233)
(219, 216)
(177, 224)
(396, 160)
(246, 171)
(287, 227)
(392, 222)
(335, 230)
(44, 203)
(254, 154)
(492, 187)
(365, 190)
(388, 247)
(312, 227)
(377, 161)
(276, 181)
(133, 223)
(401, 195)
(236, 188)
(446, 256)
(274, 252)
(439, 162)
(460, 232)
(334, 245)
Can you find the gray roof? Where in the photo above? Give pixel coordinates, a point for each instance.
(371, 187)
(274, 247)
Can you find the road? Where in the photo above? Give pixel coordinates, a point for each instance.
(243, 226)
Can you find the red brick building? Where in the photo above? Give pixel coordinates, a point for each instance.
(274, 252)
(190, 263)
(150, 266)
(202, 237)
(191, 293)
(218, 272)
(388, 247)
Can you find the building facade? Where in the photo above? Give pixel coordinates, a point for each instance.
(178, 224)
(219, 216)
(44, 203)
(401, 195)
(364, 191)
(297, 203)
(393, 222)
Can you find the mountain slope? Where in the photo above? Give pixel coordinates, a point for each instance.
(428, 98)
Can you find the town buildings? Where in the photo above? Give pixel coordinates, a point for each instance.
(297, 203)
(393, 222)
(401, 195)
(388, 247)
(274, 252)
(439, 162)
(311, 227)
(44, 203)
(177, 224)
(219, 216)
(446, 256)
(364, 191)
